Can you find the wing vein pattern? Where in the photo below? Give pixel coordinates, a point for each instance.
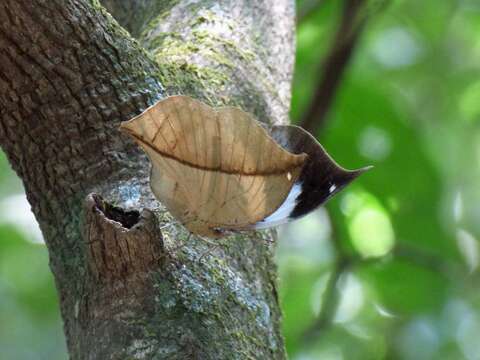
(213, 168)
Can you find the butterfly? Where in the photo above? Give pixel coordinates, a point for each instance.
(218, 170)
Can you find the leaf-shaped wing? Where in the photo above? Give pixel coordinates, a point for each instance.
(213, 169)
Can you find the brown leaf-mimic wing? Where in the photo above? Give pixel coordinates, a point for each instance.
(213, 169)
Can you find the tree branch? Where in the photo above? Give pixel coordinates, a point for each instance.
(331, 295)
(307, 9)
(334, 65)
(134, 15)
(330, 300)
(69, 75)
(345, 261)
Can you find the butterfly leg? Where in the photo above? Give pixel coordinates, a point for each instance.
(270, 240)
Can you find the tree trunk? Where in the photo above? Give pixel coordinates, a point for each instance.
(69, 74)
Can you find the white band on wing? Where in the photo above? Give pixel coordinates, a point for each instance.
(281, 215)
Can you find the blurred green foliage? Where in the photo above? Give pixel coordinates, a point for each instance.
(30, 325)
(409, 104)
(394, 258)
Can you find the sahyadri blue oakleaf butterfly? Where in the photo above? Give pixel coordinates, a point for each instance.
(219, 170)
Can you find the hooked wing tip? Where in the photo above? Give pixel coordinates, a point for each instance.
(344, 177)
(362, 170)
(365, 168)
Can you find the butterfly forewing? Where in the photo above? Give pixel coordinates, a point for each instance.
(213, 169)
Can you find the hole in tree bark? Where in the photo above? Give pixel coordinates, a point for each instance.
(127, 218)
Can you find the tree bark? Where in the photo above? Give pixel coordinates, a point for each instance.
(69, 74)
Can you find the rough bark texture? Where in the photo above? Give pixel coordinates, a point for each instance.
(69, 74)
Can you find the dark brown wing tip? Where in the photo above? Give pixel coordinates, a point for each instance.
(357, 172)
(349, 175)
(344, 177)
